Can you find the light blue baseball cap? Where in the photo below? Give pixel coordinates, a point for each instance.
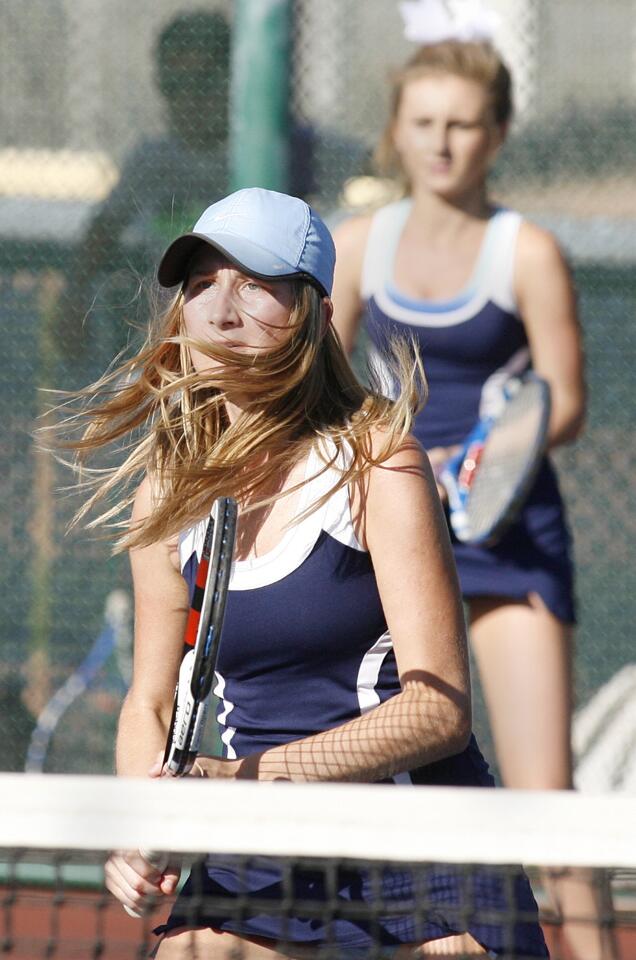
(266, 234)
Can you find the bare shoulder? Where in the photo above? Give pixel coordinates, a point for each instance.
(410, 450)
(144, 500)
(402, 503)
(537, 248)
(405, 472)
(350, 238)
(542, 278)
(408, 464)
(352, 232)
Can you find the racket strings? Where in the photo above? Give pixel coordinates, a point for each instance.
(508, 463)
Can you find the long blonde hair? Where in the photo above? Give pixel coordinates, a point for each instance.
(166, 420)
(476, 61)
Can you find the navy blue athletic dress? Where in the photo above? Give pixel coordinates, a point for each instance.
(468, 345)
(306, 648)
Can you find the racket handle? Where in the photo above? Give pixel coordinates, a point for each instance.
(158, 860)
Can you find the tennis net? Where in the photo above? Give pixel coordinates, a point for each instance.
(353, 870)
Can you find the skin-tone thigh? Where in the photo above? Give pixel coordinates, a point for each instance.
(206, 944)
(524, 658)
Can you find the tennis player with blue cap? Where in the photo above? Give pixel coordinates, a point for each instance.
(343, 655)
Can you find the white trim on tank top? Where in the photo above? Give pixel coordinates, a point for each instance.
(367, 684)
(334, 517)
(228, 732)
(492, 279)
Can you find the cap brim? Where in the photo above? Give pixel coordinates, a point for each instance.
(248, 256)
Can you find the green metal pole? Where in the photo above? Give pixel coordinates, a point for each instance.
(259, 100)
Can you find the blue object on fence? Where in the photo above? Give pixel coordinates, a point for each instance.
(116, 615)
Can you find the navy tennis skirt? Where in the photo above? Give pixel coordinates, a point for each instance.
(359, 909)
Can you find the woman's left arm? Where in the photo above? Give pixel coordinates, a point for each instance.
(547, 304)
(430, 718)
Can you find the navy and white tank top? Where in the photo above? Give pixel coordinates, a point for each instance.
(305, 644)
(467, 342)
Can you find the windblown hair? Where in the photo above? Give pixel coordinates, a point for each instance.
(475, 61)
(171, 423)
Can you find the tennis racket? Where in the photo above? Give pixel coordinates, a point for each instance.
(200, 649)
(489, 479)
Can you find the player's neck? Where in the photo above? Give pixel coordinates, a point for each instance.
(234, 408)
(262, 528)
(442, 213)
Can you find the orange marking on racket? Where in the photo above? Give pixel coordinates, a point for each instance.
(470, 464)
(194, 615)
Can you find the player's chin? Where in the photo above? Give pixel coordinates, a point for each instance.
(206, 365)
(449, 187)
(203, 363)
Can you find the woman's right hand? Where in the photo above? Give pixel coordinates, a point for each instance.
(136, 882)
(438, 457)
(137, 878)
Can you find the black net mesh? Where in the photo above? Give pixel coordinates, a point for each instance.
(54, 904)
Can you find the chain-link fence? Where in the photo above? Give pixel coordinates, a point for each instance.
(114, 136)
